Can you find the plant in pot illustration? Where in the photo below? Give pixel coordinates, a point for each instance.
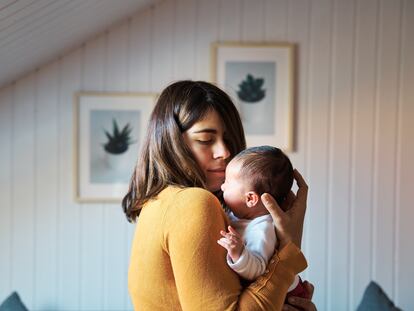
(251, 95)
(117, 144)
(251, 90)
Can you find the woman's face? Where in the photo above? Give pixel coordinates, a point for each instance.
(206, 141)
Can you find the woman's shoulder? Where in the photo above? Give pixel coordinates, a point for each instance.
(193, 200)
(175, 193)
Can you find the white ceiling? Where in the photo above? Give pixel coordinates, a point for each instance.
(34, 32)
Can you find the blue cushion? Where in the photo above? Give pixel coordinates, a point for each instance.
(13, 303)
(375, 299)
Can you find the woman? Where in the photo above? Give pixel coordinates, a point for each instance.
(176, 263)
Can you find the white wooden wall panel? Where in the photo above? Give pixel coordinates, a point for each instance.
(114, 226)
(69, 219)
(162, 52)
(353, 138)
(23, 190)
(184, 39)
(230, 20)
(92, 77)
(6, 199)
(252, 17)
(385, 143)
(140, 52)
(207, 24)
(276, 17)
(46, 186)
(405, 156)
(340, 156)
(298, 14)
(319, 84)
(363, 112)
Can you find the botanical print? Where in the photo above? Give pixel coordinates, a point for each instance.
(252, 85)
(114, 143)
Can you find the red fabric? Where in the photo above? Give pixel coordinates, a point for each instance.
(298, 291)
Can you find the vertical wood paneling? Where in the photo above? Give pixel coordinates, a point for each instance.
(46, 186)
(184, 39)
(353, 133)
(405, 154)
(6, 177)
(319, 101)
(92, 77)
(340, 156)
(114, 225)
(298, 15)
(230, 20)
(252, 21)
(362, 147)
(276, 18)
(23, 195)
(69, 220)
(117, 48)
(207, 20)
(162, 58)
(385, 142)
(140, 52)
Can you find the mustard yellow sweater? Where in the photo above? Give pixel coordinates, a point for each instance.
(176, 263)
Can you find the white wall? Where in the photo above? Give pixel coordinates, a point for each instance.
(355, 106)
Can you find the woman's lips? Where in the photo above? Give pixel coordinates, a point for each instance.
(220, 171)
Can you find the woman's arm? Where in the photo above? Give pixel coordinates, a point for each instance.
(202, 277)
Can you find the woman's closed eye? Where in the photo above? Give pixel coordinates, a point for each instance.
(205, 141)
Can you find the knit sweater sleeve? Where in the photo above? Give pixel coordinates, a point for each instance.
(202, 277)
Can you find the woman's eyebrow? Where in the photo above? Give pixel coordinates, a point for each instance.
(206, 130)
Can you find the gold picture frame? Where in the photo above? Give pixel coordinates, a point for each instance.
(259, 77)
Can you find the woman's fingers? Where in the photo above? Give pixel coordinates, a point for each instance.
(289, 224)
(302, 194)
(271, 205)
(288, 202)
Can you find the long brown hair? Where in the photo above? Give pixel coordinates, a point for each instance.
(165, 158)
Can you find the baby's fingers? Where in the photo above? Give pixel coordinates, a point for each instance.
(225, 243)
(233, 232)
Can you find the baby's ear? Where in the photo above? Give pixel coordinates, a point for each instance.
(252, 198)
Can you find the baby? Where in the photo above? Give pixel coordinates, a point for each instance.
(251, 239)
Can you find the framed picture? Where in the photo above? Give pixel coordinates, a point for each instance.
(259, 79)
(109, 132)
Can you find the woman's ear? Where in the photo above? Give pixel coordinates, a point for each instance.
(252, 198)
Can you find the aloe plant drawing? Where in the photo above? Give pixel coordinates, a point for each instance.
(250, 89)
(118, 141)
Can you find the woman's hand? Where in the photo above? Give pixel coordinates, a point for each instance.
(297, 303)
(289, 224)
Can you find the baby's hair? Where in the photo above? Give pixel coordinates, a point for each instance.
(268, 170)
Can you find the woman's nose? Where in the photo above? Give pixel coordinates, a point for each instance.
(221, 151)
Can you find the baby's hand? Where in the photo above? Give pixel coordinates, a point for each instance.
(233, 242)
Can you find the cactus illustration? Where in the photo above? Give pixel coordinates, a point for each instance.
(250, 89)
(118, 141)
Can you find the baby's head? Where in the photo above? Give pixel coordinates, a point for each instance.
(251, 173)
